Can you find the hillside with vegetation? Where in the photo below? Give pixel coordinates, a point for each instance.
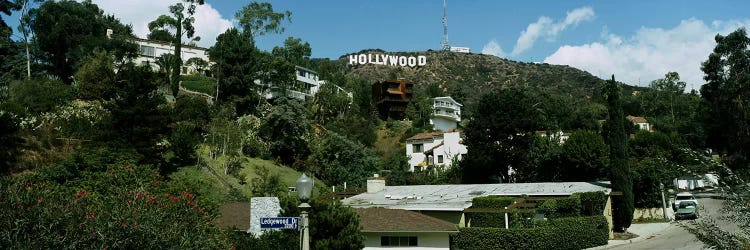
(99, 151)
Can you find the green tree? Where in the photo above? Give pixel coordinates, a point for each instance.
(197, 64)
(237, 62)
(257, 19)
(419, 111)
(182, 25)
(340, 160)
(330, 103)
(335, 226)
(67, 31)
(136, 97)
(191, 108)
(619, 171)
(726, 97)
(293, 51)
(96, 77)
(8, 48)
(584, 157)
(286, 127)
(499, 135)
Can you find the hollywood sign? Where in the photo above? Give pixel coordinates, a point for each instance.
(381, 59)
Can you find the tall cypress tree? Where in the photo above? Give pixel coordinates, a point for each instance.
(619, 172)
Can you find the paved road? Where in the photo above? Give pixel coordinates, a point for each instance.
(675, 237)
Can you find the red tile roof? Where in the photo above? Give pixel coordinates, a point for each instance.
(396, 220)
(424, 136)
(637, 119)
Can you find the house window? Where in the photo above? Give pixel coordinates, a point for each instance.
(301, 73)
(147, 51)
(398, 241)
(440, 159)
(418, 148)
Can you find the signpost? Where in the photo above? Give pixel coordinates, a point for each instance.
(279, 222)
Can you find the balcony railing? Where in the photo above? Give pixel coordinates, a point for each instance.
(445, 105)
(447, 114)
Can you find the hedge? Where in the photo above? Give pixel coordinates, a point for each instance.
(564, 233)
(558, 208)
(592, 203)
(489, 219)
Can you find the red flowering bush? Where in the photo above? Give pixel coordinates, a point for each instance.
(122, 208)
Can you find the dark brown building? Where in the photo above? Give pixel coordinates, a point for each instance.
(392, 97)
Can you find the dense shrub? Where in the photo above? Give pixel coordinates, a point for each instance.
(121, 208)
(592, 203)
(565, 233)
(558, 208)
(490, 219)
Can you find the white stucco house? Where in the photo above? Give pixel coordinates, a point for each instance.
(446, 113)
(437, 149)
(305, 86)
(149, 52)
(641, 122)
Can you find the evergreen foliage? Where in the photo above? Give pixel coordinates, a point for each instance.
(726, 97)
(619, 175)
(499, 135)
(68, 31)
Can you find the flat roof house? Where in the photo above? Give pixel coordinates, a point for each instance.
(449, 202)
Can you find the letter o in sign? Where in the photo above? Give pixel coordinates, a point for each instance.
(402, 61)
(412, 61)
(362, 59)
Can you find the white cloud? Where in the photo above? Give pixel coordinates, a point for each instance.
(546, 27)
(493, 48)
(208, 21)
(649, 53)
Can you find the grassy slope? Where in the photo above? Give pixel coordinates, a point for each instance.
(250, 168)
(198, 83)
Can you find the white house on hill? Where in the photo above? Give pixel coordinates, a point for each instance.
(446, 114)
(149, 51)
(438, 149)
(305, 86)
(640, 121)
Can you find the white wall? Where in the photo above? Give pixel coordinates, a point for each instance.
(160, 49)
(443, 124)
(425, 241)
(417, 158)
(449, 150)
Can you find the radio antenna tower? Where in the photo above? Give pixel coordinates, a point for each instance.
(445, 45)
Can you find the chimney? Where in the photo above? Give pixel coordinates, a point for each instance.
(375, 184)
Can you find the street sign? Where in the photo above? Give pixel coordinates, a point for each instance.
(279, 222)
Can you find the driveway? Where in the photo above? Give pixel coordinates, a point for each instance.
(674, 236)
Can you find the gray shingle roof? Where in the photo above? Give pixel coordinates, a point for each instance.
(458, 197)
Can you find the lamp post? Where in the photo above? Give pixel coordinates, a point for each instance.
(304, 190)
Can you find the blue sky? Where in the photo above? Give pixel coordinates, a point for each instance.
(638, 41)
